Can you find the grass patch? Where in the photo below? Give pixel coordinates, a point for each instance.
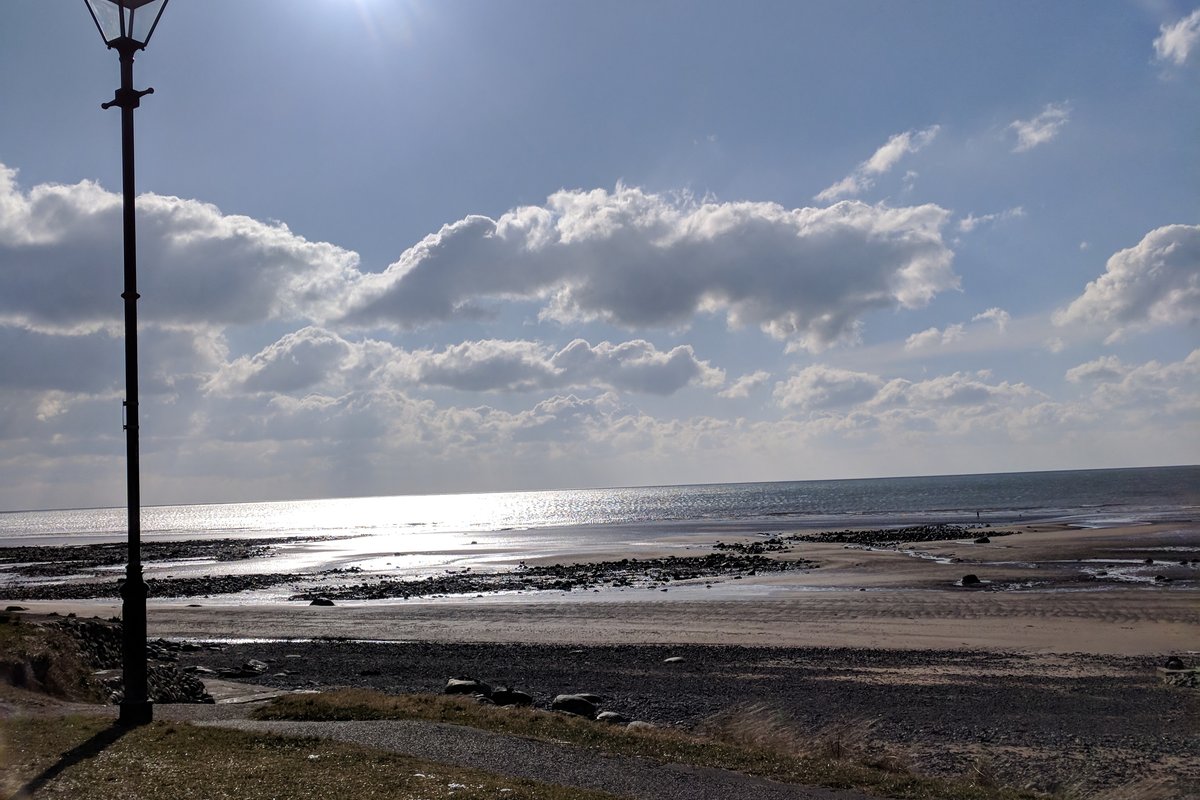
(751, 741)
(90, 759)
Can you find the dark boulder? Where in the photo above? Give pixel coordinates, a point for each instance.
(504, 696)
(467, 686)
(970, 580)
(321, 601)
(1174, 662)
(983, 540)
(574, 704)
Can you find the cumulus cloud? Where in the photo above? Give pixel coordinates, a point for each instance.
(956, 389)
(970, 222)
(1176, 42)
(1103, 369)
(638, 259)
(315, 360)
(1042, 128)
(882, 161)
(940, 337)
(998, 316)
(931, 337)
(636, 366)
(824, 387)
(746, 384)
(61, 251)
(1153, 388)
(1156, 282)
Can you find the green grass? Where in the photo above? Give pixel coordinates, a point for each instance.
(167, 762)
(752, 742)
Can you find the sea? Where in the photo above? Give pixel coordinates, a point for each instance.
(562, 518)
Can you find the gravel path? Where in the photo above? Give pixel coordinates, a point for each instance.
(546, 762)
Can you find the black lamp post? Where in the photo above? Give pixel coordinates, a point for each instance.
(126, 26)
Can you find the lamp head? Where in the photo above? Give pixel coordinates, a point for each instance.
(126, 23)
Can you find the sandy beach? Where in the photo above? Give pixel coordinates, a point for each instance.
(1043, 588)
(1045, 671)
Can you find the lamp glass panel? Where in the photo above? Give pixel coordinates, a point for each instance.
(134, 19)
(108, 18)
(143, 14)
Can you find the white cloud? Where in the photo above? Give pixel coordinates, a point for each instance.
(970, 222)
(637, 259)
(1149, 390)
(882, 161)
(931, 337)
(934, 336)
(1176, 42)
(636, 366)
(60, 248)
(995, 315)
(1105, 368)
(317, 361)
(1042, 128)
(960, 389)
(823, 387)
(1156, 282)
(746, 384)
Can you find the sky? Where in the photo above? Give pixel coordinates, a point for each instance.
(407, 246)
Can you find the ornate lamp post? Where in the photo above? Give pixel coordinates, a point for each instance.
(126, 26)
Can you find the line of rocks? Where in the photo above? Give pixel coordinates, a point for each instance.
(891, 536)
(52, 561)
(580, 704)
(156, 587)
(655, 572)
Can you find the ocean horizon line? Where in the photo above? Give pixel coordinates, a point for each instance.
(612, 488)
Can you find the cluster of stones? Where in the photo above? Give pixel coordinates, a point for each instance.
(772, 545)
(891, 536)
(155, 587)
(56, 561)
(99, 643)
(580, 704)
(1177, 673)
(566, 577)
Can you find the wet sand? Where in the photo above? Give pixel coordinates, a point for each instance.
(1044, 588)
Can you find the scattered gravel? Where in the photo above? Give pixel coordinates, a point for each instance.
(1081, 721)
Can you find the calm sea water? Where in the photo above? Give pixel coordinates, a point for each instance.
(1088, 497)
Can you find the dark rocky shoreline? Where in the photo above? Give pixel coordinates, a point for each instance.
(1101, 721)
(654, 572)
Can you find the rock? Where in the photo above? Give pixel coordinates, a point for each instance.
(1174, 662)
(574, 704)
(983, 540)
(321, 601)
(1148, 561)
(612, 718)
(591, 698)
(640, 725)
(1161, 579)
(504, 696)
(16, 608)
(970, 580)
(467, 686)
(673, 660)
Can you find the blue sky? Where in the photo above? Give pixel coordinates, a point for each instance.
(393, 246)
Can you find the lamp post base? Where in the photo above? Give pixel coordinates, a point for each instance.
(135, 714)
